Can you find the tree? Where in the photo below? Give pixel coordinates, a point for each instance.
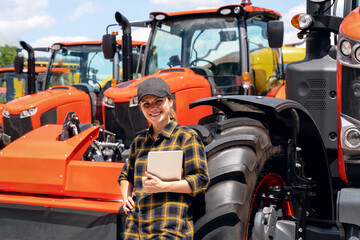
(7, 54)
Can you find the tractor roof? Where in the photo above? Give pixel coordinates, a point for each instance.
(250, 10)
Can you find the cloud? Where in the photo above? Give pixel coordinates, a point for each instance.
(85, 8)
(141, 34)
(48, 41)
(8, 40)
(21, 16)
(291, 38)
(189, 4)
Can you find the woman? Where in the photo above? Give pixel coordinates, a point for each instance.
(160, 209)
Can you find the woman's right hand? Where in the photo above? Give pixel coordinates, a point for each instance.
(129, 204)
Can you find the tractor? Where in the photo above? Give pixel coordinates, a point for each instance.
(75, 79)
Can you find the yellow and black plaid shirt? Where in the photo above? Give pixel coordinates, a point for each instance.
(165, 215)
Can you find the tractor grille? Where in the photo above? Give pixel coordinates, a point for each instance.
(125, 122)
(15, 127)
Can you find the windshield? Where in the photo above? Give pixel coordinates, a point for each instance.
(211, 47)
(209, 44)
(79, 64)
(12, 86)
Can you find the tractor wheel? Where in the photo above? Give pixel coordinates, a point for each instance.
(241, 161)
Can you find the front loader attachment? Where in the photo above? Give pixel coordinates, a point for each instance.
(48, 192)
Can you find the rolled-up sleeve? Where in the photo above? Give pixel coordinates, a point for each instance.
(195, 164)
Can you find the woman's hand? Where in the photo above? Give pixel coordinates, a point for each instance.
(152, 184)
(129, 204)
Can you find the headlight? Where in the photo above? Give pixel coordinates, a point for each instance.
(28, 113)
(349, 51)
(302, 21)
(352, 138)
(357, 54)
(6, 113)
(345, 48)
(134, 101)
(108, 102)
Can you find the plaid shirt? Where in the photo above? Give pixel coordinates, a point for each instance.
(165, 215)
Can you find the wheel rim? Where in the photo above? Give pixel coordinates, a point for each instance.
(271, 179)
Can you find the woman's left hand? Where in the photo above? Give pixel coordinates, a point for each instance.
(152, 184)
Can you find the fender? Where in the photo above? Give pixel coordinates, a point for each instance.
(277, 113)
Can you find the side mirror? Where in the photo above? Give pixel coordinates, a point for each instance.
(109, 46)
(18, 64)
(275, 31)
(174, 61)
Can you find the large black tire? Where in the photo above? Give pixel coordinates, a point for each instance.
(236, 156)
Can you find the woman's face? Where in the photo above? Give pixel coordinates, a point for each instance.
(155, 109)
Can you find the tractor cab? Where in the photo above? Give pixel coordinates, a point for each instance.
(72, 64)
(221, 45)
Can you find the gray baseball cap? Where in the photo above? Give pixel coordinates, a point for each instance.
(153, 86)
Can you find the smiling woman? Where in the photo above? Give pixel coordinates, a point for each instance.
(161, 209)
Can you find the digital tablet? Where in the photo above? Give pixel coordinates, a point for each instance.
(166, 165)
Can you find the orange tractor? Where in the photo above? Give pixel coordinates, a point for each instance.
(76, 77)
(271, 161)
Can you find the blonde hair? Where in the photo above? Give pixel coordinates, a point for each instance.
(172, 110)
(172, 114)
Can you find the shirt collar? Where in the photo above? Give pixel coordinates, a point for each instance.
(168, 129)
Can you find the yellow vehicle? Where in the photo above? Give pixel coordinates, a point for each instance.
(293, 54)
(265, 75)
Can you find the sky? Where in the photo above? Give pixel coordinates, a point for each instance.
(41, 23)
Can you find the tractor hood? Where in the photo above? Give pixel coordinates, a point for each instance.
(47, 107)
(46, 100)
(123, 92)
(351, 24)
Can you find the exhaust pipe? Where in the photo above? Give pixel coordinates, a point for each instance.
(31, 67)
(126, 46)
